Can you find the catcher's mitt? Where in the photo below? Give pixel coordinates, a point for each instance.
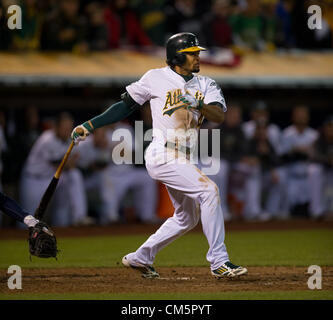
(42, 241)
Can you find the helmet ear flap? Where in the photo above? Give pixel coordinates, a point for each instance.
(179, 59)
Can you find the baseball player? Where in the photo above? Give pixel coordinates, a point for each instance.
(179, 101)
(260, 115)
(69, 201)
(301, 176)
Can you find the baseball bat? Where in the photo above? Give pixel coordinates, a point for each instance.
(39, 213)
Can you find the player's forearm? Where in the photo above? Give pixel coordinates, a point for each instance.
(213, 113)
(117, 112)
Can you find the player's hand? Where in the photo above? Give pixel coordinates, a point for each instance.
(190, 101)
(81, 132)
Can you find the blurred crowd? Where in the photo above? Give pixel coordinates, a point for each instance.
(266, 172)
(94, 25)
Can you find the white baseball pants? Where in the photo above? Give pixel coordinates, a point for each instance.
(193, 195)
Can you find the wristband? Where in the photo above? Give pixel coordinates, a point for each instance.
(88, 125)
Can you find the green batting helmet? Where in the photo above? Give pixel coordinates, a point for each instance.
(178, 44)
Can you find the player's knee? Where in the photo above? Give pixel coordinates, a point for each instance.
(210, 193)
(188, 222)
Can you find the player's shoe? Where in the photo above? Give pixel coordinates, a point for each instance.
(146, 270)
(228, 270)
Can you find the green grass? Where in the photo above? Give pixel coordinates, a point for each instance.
(262, 248)
(248, 295)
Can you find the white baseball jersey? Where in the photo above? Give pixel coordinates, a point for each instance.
(162, 87)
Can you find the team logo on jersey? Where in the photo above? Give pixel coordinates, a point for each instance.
(172, 102)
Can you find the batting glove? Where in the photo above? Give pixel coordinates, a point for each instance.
(81, 132)
(191, 101)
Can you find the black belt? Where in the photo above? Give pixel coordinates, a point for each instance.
(172, 145)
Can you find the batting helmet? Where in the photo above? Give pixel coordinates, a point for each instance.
(178, 44)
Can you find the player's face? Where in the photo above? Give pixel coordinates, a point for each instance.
(192, 63)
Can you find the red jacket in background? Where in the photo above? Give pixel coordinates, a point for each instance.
(134, 33)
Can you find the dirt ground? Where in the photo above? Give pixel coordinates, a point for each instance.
(180, 280)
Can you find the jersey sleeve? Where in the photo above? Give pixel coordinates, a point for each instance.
(214, 94)
(140, 90)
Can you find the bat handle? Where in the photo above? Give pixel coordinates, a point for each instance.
(64, 159)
